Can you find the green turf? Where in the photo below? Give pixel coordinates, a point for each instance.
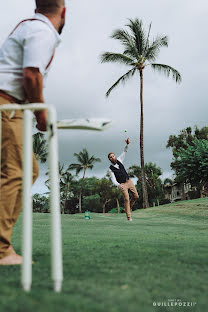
(112, 265)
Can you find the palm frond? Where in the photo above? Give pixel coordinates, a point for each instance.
(77, 167)
(79, 157)
(127, 41)
(153, 50)
(123, 79)
(138, 34)
(93, 159)
(40, 147)
(116, 58)
(147, 40)
(167, 70)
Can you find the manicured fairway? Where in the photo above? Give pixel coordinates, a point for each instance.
(112, 265)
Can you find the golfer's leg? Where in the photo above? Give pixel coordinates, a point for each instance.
(134, 193)
(124, 189)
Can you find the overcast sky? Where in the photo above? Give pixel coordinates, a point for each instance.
(77, 82)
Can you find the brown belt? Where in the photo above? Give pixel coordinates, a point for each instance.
(10, 98)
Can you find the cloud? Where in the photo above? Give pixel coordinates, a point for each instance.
(78, 82)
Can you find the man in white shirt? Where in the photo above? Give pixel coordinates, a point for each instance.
(120, 178)
(25, 59)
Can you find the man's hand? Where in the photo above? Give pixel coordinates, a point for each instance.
(41, 117)
(127, 141)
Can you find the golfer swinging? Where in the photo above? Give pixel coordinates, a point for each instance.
(120, 178)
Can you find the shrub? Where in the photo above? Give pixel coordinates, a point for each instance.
(115, 210)
(91, 203)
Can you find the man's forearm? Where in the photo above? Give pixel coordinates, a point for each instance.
(33, 85)
(126, 148)
(122, 156)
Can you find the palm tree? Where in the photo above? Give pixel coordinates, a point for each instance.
(139, 53)
(65, 181)
(85, 161)
(62, 173)
(40, 147)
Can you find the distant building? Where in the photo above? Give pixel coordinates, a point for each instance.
(179, 191)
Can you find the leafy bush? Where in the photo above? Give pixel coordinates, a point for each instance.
(91, 203)
(40, 203)
(71, 206)
(194, 194)
(115, 210)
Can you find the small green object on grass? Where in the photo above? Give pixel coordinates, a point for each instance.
(87, 215)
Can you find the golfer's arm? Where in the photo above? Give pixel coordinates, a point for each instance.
(113, 179)
(33, 85)
(122, 156)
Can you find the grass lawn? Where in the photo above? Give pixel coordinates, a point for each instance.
(112, 265)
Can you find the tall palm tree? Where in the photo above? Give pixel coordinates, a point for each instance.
(65, 182)
(139, 53)
(85, 162)
(40, 147)
(62, 174)
(65, 179)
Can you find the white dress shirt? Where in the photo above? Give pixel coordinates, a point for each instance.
(121, 159)
(31, 44)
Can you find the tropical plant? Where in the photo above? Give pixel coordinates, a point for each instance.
(91, 203)
(139, 53)
(191, 164)
(62, 172)
(104, 189)
(116, 192)
(40, 147)
(184, 139)
(40, 203)
(152, 180)
(65, 182)
(85, 161)
(65, 179)
(186, 135)
(117, 195)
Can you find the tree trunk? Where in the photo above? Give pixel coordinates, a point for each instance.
(80, 202)
(202, 191)
(66, 197)
(103, 205)
(80, 195)
(118, 206)
(144, 187)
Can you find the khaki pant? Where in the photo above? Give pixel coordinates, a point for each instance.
(128, 204)
(11, 175)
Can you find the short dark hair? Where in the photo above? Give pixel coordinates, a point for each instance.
(48, 6)
(109, 154)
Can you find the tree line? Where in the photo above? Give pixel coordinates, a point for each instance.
(190, 164)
